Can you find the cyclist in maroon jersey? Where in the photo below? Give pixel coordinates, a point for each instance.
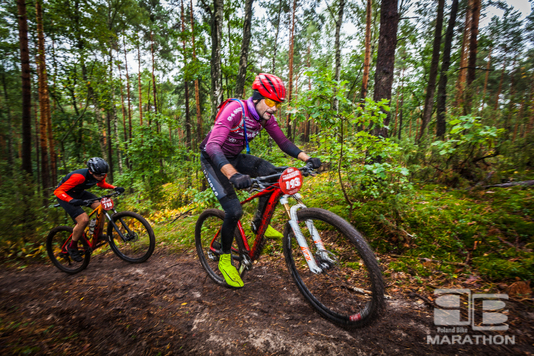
(71, 195)
(225, 167)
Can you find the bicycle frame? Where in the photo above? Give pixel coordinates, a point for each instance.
(99, 212)
(278, 196)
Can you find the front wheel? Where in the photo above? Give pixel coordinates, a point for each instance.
(137, 241)
(208, 244)
(56, 247)
(349, 290)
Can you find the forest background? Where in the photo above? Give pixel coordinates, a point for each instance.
(422, 112)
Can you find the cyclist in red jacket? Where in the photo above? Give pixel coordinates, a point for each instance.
(71, 195)
(225, 167)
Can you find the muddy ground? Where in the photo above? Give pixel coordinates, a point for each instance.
(168, 306)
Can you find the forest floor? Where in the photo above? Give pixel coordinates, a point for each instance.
(169, 306)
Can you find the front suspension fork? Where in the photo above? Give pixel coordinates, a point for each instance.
(293, 223)
(116, 227)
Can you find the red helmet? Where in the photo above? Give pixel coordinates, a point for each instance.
(270, 86)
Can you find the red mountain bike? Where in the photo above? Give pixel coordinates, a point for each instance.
(330, 262)
(129, 235)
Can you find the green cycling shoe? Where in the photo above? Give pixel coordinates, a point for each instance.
(272, 233)
(229, 272)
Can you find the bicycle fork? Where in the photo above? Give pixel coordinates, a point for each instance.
(322, 253)
(124, 238)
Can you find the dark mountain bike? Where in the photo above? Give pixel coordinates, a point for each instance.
(129, 235)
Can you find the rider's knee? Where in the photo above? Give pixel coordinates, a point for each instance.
(82, 219)
(234, 210)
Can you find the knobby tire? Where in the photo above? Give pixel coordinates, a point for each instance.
(350, 290)
(142, 243)
(207, 226)
(59, 257)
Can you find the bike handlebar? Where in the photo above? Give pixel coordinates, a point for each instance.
(94, 199)
(265, 181)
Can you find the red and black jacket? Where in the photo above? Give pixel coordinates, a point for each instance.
(76, 182)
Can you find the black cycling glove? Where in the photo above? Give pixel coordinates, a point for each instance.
(241, 181)
(76, 202)
(119, 190)
(314, 162)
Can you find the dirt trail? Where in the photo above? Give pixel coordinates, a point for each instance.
(168, 306)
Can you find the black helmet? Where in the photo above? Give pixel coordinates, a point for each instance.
(98, 165)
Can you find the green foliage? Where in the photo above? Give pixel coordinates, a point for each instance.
(149, 153)
(371, 165)
(465, 152)
(24, 221)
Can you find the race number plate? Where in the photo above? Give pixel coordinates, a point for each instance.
(107, 203)
(290, 181)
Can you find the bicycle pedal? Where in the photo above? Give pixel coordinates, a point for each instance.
(213, 256)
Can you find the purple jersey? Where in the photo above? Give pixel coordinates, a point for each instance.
(227, 138)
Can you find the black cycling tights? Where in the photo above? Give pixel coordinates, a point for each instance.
(225, 193)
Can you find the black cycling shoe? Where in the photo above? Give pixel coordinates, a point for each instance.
(74, 253)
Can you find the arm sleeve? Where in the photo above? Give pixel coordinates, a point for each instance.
(72, 182)
(230, 117)
(281, 140)
(104, 184)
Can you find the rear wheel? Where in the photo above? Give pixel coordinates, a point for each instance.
(139, 240)
(56, 247)
(208, 244)
(349, 290)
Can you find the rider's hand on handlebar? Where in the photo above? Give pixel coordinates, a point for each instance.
(76, 202)
(241, 181)
(313, 163)
(119, 190)
(87, 202)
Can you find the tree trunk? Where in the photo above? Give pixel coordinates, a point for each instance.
(487, 76)
(275, 47)
(197, 88)
(511, 103)
(337, 45)
(500, 85)
(153, 76)
(431, 88)
(460, 84)
(385, 65)
(473, 45)
(187, 117)
(139, 84)
(43, 76)
(473, 41)
(216, 30)
(128, 93)
(123, 108)
(367, 60)
(44, 106)
(397, 107)
(442, 85)
(291, 50)
(10, 156)
(243, 60)
(26, 88)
